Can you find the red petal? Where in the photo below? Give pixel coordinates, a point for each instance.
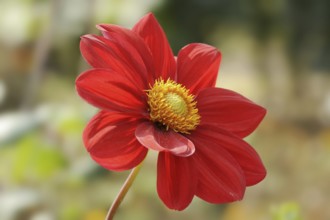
(198, 66)
(220, 178)
(229, 110)
(176, 180)
(112, 91)
(153, 35)
(119, 56)
(138, 51)
(155, 139)
(242, 152)
(109, 138)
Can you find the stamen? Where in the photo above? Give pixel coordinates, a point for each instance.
(171, 105)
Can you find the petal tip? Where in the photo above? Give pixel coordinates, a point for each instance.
(149, 15)
(256, 178)
(262, 113)
(100, 27)
(85, 37)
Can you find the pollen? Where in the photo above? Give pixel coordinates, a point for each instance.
(172, 106)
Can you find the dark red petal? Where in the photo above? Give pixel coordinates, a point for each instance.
(220, 178)
(176, 180)
(119, 56)
(131, 42)
(198, 66)
(242, 152)
(111, 91)
(155, 139)
(229, 110)
(110, 140)
(153, 35)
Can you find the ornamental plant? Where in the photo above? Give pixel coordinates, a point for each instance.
(150, 99)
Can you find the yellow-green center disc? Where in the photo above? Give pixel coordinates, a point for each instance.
(171, 105)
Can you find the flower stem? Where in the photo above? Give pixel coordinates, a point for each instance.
(124, 189)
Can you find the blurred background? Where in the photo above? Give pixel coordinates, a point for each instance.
(275, 52)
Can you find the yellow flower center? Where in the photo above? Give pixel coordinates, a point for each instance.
(171, 106)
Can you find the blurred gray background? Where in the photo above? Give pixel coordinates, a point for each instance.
(275, 52)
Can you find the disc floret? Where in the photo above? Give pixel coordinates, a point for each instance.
(172, 106)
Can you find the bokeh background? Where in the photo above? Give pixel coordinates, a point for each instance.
(275, 52)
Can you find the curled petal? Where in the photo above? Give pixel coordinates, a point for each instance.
(153, 35)
(198, 66)
(241, 151)
(138, 51)
(176, 180)
(220, 178)
(155, 139)
(105, 90)
(117, 56)
(110, 140)
(229, 110)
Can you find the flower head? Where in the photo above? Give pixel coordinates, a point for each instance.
(150, 100)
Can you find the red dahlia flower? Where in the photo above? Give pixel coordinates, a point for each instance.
(151, 100)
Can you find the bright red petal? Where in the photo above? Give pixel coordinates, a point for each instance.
(119, 56)
(229, 110)
(198, 66)
(111, 91)
(110, 140)
(131, 42)
(176, 180)
(241, 151)
(220, 178)
(156, 139)
(153, 35)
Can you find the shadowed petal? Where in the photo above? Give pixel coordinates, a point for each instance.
(198, 66)
(220, 178)
(241, 151)
(155, 139)
(110, 140)
(229, 110)
(105, 90)
(117, 56)
(153, 35)
(122, 162)
(176, 180)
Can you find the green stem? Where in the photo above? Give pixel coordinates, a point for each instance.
(124, 189)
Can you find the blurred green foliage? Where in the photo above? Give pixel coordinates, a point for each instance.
(288, 211)
(31, 159)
